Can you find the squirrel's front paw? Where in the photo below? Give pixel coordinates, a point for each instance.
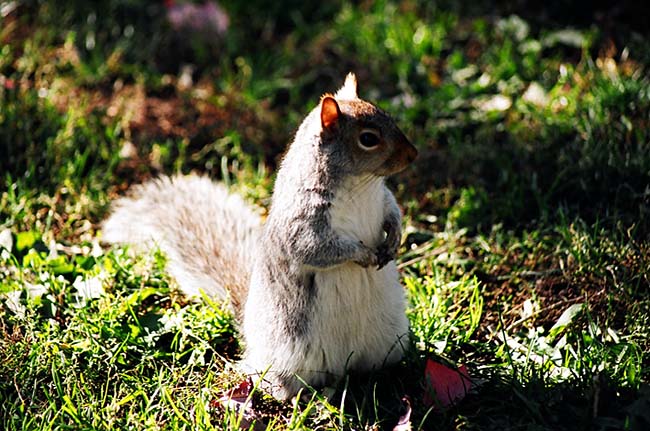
(366, 256)
(384, 255)
(387, 250)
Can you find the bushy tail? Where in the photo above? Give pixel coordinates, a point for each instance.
(207, 233)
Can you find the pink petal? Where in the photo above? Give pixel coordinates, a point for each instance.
(404, 422)
(445, 386)
(239, 394)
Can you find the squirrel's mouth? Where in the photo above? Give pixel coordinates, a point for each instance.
(404, 155)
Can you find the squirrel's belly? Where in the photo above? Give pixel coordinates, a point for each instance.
(361, 322)
(357, 322)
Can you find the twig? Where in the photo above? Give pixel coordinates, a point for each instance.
(432, 253)
(522, 274)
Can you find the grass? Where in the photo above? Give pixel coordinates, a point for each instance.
(526, 248)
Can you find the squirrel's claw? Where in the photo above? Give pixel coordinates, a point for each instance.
(387, 250)
(384, 255)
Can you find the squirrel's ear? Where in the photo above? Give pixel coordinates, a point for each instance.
(349, 89)
(329, 112)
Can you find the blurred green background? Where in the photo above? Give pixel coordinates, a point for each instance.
(518, 107)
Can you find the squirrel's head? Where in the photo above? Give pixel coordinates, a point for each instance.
(371, 140)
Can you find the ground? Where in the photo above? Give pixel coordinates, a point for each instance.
(526, 254)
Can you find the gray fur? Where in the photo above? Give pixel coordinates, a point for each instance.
(322, 173)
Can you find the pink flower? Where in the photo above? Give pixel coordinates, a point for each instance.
(207, 17)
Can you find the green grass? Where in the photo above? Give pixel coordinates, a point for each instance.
(526, 253)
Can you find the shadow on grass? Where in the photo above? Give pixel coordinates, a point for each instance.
(496, 402)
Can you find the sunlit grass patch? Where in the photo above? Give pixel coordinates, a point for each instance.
(443, 311)
(102, 341)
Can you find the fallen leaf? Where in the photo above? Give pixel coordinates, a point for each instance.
(6, 239)
(497, 102)
(565, 319)
(445, 386)
(536, 95)
(90, 288)
(404, 422)
(6, 244)
(238, 397)
(240, 400)
(13, 302)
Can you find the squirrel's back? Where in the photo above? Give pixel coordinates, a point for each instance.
(207, 233)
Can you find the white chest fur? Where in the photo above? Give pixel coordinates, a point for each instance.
(361, 318)
(357, 210)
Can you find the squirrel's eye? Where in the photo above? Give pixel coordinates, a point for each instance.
(368, 139)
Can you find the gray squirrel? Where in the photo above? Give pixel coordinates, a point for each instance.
(315, 287)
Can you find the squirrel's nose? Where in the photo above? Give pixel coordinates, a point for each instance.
(411, 152)
(406, 148)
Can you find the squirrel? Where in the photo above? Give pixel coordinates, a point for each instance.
(315, 288)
